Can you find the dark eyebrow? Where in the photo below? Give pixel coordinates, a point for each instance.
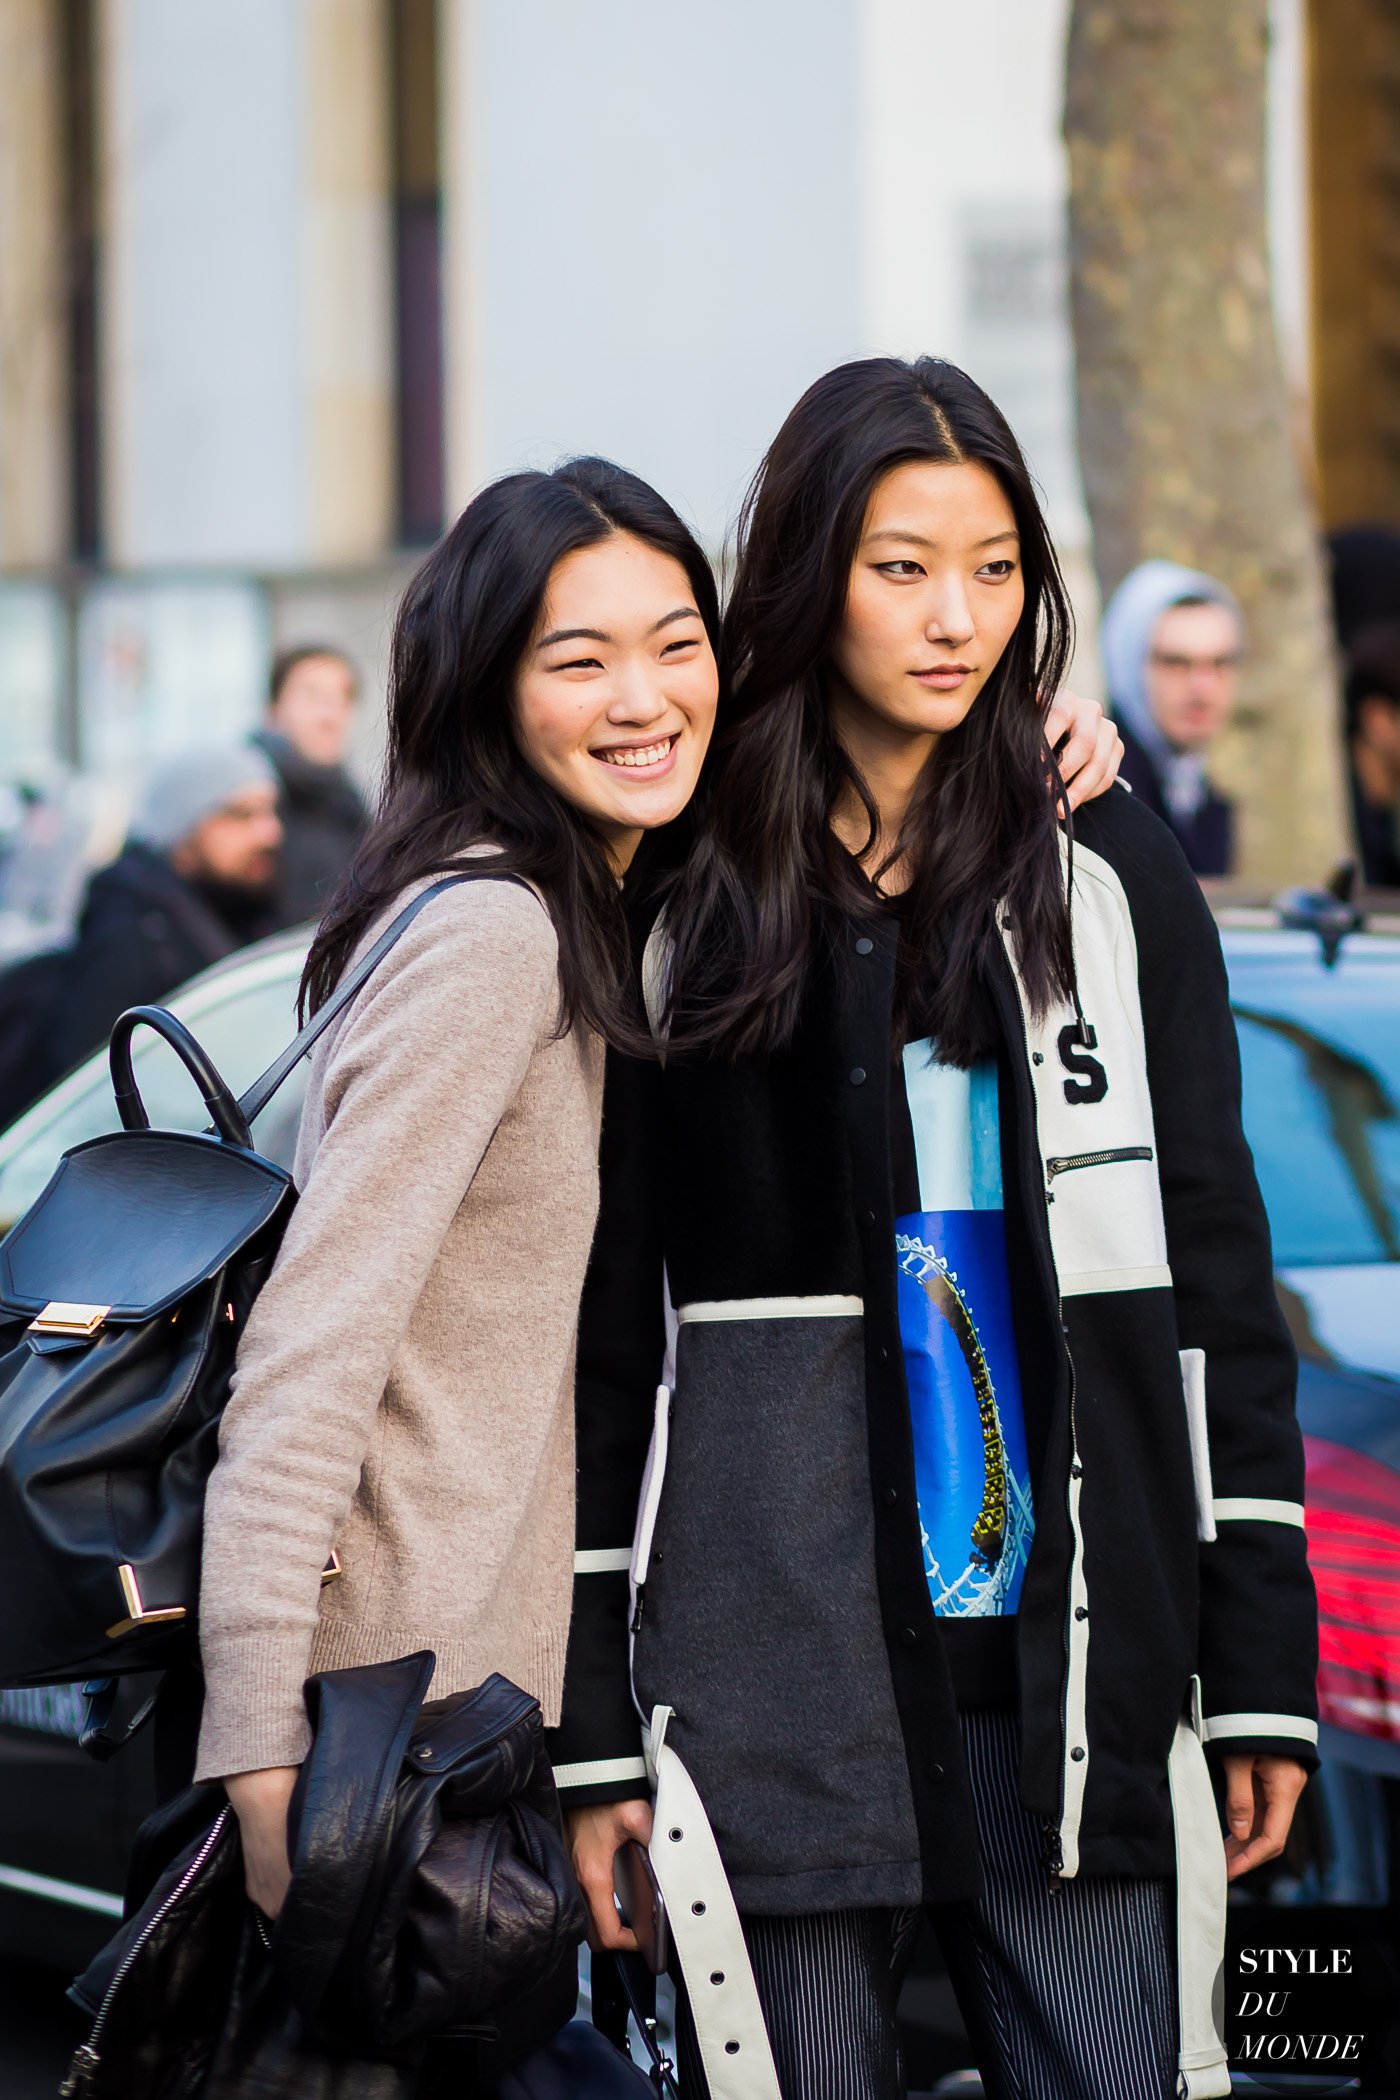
(596, 634)
(573, 634)
(917, 539)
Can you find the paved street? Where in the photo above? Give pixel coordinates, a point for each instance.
(39, 2031)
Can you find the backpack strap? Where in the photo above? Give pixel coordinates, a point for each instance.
(262, 1090)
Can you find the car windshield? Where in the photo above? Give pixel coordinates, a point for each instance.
(1321, 1056)
(242, 1016)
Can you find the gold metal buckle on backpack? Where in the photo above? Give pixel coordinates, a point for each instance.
(61, 1317)
(137, 1614)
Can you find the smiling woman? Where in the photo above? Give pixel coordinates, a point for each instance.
(403, 1394)
(617, 715)
(563, 613)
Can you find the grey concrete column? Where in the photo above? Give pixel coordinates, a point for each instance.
(247, 282)
(650, 232)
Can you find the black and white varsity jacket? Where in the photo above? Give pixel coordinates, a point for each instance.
(761, 1573)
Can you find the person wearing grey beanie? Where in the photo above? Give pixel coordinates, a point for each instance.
(192, 884)
(179, 793)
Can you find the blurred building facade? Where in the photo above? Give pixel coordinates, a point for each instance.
(285, 280)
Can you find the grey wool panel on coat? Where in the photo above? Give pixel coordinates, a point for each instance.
(761, 1602)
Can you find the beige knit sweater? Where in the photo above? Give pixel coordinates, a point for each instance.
(404, 1389)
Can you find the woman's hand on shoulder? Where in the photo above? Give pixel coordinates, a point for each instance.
(596, 1836)
(1092, 748)
(260, 1801)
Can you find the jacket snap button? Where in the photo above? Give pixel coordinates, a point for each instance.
(675, 1836)
(858, 1076)
(717, 1976)
(908, 1636)
(698, 1909)
(731, 2048)
(865, 946)
(1081, 1611)
(1077, 1754)
(426, 1754)
(935, 1771)
(1037, 1057)
(1076, 1472)
(891, 1496)
(883, 1353)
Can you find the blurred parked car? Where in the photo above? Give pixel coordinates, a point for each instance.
(1321, 1055)
(66, 1824)
(1320, 1045)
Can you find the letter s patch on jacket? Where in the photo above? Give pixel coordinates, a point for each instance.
(1091, 1081)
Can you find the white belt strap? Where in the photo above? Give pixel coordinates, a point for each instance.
(709, 1939)
(1200, 1911)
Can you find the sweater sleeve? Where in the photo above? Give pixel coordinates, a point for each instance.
(429, 1059)
(597, 1748)
(1258, 1607)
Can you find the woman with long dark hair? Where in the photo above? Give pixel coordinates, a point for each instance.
(973, 1509)
(403, 1396)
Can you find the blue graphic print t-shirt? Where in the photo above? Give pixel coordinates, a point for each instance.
(971, 1469)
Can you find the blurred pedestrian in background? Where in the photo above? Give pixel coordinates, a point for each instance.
(306, 735)
(1171, 641)
(1372, 698)
(1365, 578)
(194, 882)
(1366, 609)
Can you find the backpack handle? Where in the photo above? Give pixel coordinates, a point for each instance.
(229, 1119)
(233, 1119)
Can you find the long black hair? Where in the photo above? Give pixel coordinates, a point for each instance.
(454, 774)
(767, 880)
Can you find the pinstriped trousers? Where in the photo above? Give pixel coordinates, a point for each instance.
(1066, 1996)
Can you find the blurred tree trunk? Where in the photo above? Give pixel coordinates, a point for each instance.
(1184, 424)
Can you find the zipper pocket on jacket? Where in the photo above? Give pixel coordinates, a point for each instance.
(83, 2069)
(1067, 1162)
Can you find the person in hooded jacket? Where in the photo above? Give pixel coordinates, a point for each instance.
(311, 706)
(1171, 643)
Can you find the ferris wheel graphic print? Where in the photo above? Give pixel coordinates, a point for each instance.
(970, 1462)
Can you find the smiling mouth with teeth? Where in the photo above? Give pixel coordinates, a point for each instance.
(637, 755)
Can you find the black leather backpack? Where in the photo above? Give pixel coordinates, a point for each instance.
(123, 1293)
